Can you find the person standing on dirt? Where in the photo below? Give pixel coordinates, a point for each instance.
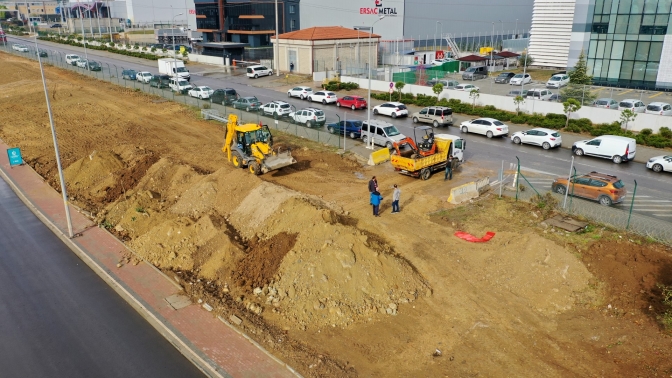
(395, 199)
(453, 164)
(373, 185)
(449, 168)
(376, 198)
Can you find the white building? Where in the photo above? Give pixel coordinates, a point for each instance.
(551, 32)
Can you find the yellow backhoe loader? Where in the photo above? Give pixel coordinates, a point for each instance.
(251, 145)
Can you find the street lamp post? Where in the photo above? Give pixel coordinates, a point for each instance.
(492, 46)
(109, 20)
(81, 17)
(276, 48)
(516, 32)
(440, 34)
(174, 51)
(53, 135)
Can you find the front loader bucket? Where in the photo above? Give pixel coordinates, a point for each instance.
(282, 159)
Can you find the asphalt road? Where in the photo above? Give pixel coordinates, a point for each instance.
(486, 153)
(59, 319)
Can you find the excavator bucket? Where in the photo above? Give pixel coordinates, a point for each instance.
(280, 160)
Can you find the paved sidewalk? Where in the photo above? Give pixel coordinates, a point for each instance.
(213, 346)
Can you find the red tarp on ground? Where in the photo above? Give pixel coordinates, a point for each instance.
(471, 238)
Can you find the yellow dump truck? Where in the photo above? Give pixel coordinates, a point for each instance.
(423, 166)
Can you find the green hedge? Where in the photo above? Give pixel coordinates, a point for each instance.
(72, 42)
(337, 85)
(550, 121)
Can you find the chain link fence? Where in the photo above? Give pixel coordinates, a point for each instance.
(112, 73)
(645, 215)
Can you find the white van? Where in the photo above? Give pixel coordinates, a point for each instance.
(616, 148)
(383, 133)
(71, 59)
(256, 71)
(539, 94)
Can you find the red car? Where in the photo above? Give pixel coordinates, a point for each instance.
(352, 102)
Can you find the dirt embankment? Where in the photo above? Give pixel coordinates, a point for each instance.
(315, 278)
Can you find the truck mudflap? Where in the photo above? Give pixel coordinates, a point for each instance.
(277, 161)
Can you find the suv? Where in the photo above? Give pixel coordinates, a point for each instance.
(159, 81)
(276, 109)
(504, 77)
(436, 115)
(256, 71)
(310, 116)
(606, 189)
(475, 73)
(224, 96)
(72, 59)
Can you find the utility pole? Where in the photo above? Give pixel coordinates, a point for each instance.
(276, 48)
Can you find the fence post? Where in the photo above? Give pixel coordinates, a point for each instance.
(517, 175)
(501, 179)
(571, 199)
(632, 204)
(569, 179)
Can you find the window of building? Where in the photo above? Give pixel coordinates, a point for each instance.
(600, 28)
(292, 9)
(292, 24)
(653, 30)
(624, 6)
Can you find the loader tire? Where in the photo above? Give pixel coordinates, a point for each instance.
(237, 160)
(254, 168)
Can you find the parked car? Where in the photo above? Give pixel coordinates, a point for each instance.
(81, 63)
(606, 103)
(54, 26)
(555, 98)
(300, 92)
(489, 127)
(352, 102)
(614, 147)
(72, 59)
(160, 46)
(308, 116)
(558, 81)
(660, 163)
(224, 96)
(19, 47)
(129, 75)
(325, 97)
(143, 76)
(201, 92)
(633, 105)
(447, 84)
(392, 109)
(276, 109)
(606, 189)
(546, 138)
(383, 133)
(258, 70)
(93, 66)
(475, 73)
(504, 77)
(351, 128)
(41, 53)
(250, 104)
(179, 85)
(466, 87)
(436, 115)
(539, 94)
(516, 93)
(177, 47)
(520, 79)
(660, 108)
(160, 81)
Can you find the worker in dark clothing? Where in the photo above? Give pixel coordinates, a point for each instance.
(449, 168)
(373, 185)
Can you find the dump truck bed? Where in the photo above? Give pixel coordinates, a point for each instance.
(412, 166)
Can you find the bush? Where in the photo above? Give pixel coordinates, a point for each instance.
(646, 132)
(665, 132)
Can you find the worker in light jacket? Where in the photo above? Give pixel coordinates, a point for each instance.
(396, 194)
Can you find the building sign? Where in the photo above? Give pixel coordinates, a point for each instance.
(14, 155)
(378, 9)
(192, 11)
(439, 54)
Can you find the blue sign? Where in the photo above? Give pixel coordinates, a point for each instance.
(14, 155)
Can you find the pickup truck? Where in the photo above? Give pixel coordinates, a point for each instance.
(423, 166)
(353, 128)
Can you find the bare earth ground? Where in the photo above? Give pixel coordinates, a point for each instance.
(315, 278)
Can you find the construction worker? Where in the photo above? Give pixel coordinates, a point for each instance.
(395, 199)
(449, 168)
(376, 198)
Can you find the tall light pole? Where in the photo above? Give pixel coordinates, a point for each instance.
(368, 103)
(81, 17)
(276, 48)
(53, 136)
(516, 32)
(492, 46)
(502, 39)
(440, 34)
(109, 20)
(174, 51)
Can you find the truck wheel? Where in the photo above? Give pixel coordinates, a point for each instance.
(425, 173)
(237, 160)
(254, 168)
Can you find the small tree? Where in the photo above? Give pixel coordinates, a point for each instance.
(437, 89)
(399, 85)
(627, 115)
(525, 60)
(473, 94)
(518, 100)
(579, 75)
(570, 106)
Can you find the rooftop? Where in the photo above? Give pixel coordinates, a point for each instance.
(325, 33)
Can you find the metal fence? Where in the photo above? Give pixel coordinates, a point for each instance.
(112, 73)
(642, 214)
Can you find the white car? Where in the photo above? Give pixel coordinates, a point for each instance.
(520, 79)
(324, 97)
(81, 63)
(466, 87)
(489, 127)
(276, 109)
(310, 116)
(19, 47)
(392, 109)
(256, 71)
(201, 92)
(660, 108)
(546, 138)
(178, 85)
(300, 92)
(660, 163)
(633, 105)
(557, 81)
(71, 59)
(143, 77)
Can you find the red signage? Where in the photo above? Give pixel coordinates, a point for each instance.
(192, 11)
(439, 55)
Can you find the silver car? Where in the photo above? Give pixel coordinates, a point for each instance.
(606, 103)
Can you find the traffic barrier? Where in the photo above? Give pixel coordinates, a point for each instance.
(468, 191)
(379, 156)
